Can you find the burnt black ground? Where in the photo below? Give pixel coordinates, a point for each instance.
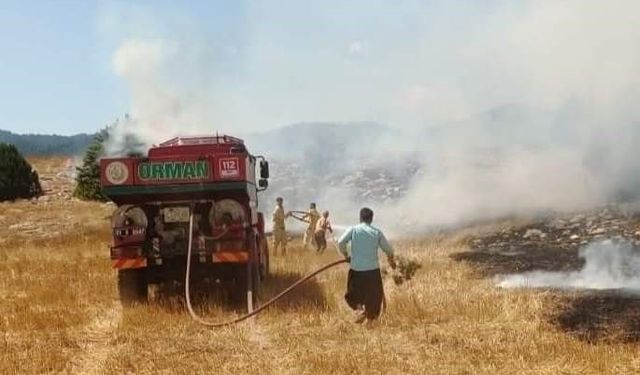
(599, 316)
(553, 245)
(526, 259)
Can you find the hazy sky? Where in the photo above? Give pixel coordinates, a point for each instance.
(60, 69)
(236, 66)
(56, 71)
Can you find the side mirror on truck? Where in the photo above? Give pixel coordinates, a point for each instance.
(263, 184)
(264, 169)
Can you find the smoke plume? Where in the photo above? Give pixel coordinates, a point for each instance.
(509, 109)
(606, 266)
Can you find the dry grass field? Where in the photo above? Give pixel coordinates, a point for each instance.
(59, 314)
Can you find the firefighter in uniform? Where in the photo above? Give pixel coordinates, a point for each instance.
(312, 216)
(279, 231)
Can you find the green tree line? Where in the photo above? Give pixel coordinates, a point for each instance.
(41, 144)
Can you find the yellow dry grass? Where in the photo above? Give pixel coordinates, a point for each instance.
(58, 315)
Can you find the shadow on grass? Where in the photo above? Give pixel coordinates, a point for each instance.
(599, 316)
(210, 295)
(308, 295)
(204, 296)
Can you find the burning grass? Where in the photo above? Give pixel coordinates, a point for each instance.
(58, 315)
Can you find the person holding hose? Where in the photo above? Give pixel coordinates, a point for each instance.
(364, 282)
(279, 230)
(312, 216)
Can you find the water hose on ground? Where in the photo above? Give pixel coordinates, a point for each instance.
(251, 313)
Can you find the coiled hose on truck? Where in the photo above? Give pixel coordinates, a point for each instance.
(251, 313)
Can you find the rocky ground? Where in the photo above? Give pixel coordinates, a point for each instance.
(57, 181)
(552, 243)
(375, 183)
(361, 183)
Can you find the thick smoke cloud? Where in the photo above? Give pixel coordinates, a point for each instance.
(511, 109)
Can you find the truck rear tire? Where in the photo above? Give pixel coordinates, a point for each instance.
(257, 283)
(240, 287)
(264, 259)
(132, 286)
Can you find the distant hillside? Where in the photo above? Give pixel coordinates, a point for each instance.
(41, 144)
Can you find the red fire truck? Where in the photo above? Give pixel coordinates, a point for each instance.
(198, 192)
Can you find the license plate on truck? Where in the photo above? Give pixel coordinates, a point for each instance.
(176, 214)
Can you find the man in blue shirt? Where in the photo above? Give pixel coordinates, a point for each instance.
(364, 284)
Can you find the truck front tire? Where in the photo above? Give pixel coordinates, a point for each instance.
(132, 286)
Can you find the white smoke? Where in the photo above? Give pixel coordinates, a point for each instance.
(511, 108)
(606, 266)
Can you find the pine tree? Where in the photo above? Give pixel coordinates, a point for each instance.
(122, 142)
(17, 178)
(88, 176)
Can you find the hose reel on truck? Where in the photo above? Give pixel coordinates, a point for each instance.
(128, 217)
(129, 226)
